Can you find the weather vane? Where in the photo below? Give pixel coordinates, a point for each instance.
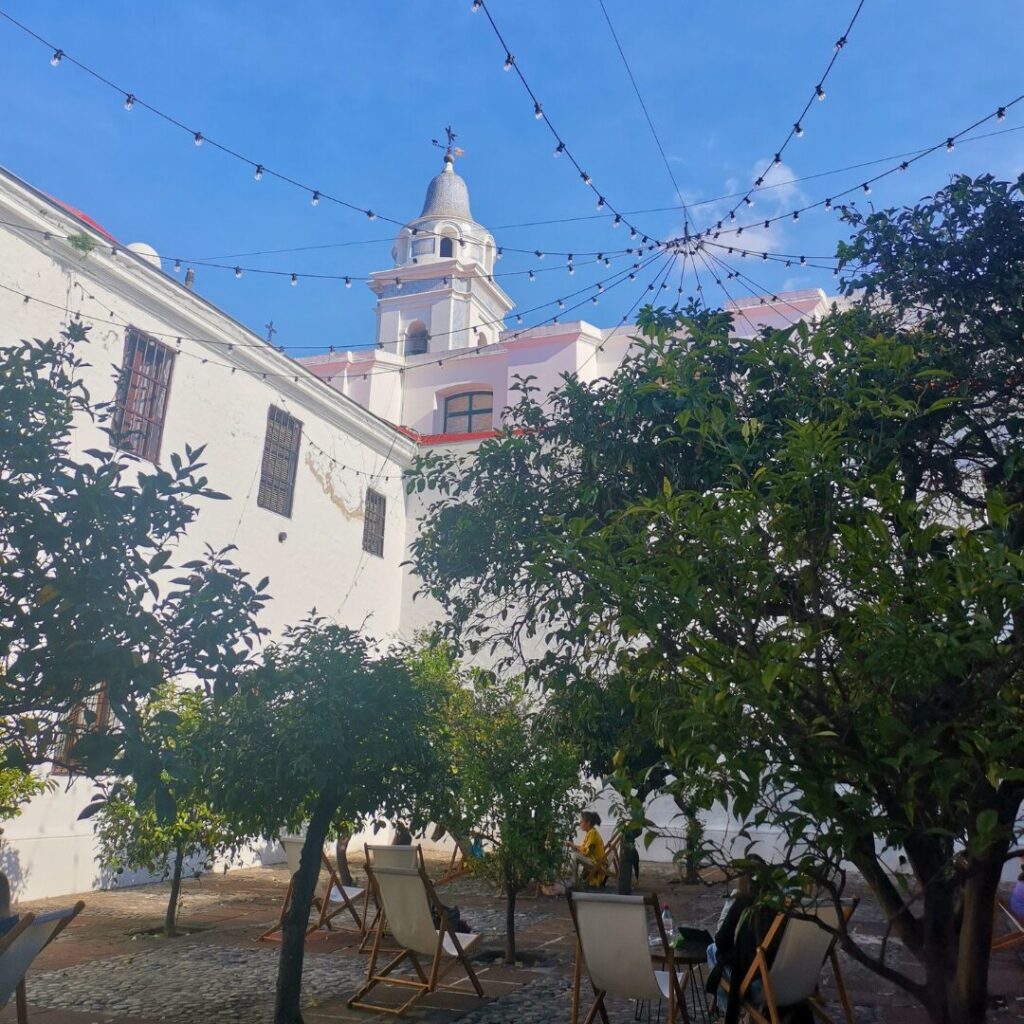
(451, 149)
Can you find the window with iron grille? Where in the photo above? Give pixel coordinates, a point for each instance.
(373, 523)
(141, 403)
(469, 412)
(92, 715)
(280, 460)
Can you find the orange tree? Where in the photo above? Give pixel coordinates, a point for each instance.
(807, 548)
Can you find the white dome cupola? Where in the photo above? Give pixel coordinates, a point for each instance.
(441, 294)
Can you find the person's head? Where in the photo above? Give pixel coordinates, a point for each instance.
(589, 820)
(5, 896)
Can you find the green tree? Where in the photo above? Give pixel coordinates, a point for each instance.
(132, 835)
(85, 551)
(519, 784)
(808, 547)
(323, 730)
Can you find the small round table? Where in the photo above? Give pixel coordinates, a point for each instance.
(693, 956)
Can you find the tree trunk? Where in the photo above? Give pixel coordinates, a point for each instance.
(510, 923)
(341, 855)
(171, 917)
(296, 919)
(627, 847)
(969, 993)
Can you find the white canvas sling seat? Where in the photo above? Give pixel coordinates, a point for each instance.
(800, 956)
(387, 856)
(22, 944)
(613, 945)
(407, 898)
(342, 896)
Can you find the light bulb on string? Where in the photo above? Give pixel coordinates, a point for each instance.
(561, 304)
(732, 215)
(607, 262)
(197, 138)
(129, 101)
(295, 280)
(538, 254)
(949, 144)
(572, 269)
(828, 204)
(600, 287)
(617, 221)
(632, 232)
(767, 225)
(177, 266)
(398, 284)
(499, 254)
(778, 158)
(585, 178)
(258, 174)
(796, 215)
(519, 319)
(533, 276)
(314, 199)
(538, 110)
(632, 276)
(600, 203)
(348, 282)
(1001, 114)
(477, 4)
(819, 92)
(58, 56)
(560, 148)
(903, 166)
(593, 299)
(866, 188)
(798, 130)
(509, 61)
(238, 272)
(370, 215)
(749, 202)
(764, 257)
(803, 261)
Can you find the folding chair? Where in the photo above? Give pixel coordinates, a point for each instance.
(22, 944)
(458, 865)
(1015, 936)
(793, 977)
(387, 857)
(335, 893)
(612, 941)
(407, 899)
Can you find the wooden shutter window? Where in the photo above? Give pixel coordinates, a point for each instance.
(373, 523)
(280, 462)
(140, 405)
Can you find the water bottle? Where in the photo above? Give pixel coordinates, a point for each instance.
(666, 922)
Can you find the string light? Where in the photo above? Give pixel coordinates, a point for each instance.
(866, 188)
(538, 111)
(348, 282)
(509, 61)
(177, 266)
(259, 172)
(238, 272)
(538, 254)
(197, 138)
(748, 201)
(632, 232)
(499, 254)
(796, 215)
(819, 92)
(1001, 114)
(586, 178)
(58, 56)
(477, 4)
(129, 101)
(600, 203)
(533, 277)
(559, 149)
(798, 130)
(561, 304)
(949, 144)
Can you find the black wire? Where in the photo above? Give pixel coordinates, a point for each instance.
(647, 114)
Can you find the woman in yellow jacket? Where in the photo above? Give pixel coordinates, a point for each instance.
(590, 854)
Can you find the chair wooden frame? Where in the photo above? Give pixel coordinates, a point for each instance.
(321, 903)
(8, 940)
(370, 925)
(675, 994)
(458, 865)
(425, 980)
(1013, 938)
(760, 971)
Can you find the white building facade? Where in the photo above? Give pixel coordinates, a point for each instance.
(311, 451)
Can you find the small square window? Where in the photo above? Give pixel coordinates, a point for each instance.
(469, 412)
(373, 523)
(280, 461)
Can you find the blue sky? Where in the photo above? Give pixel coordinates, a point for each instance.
(346, 97)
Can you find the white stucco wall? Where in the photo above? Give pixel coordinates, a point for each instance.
(314, 558)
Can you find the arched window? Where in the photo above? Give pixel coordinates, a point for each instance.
(416, 339)
(469, 412)
(447, 247)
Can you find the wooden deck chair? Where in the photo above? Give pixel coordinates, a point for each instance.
(793, 977)
(458, 864)
(22, 944)
(336, 899)
(1015, 936)
(611, 855)
(387, 857)
(407, 899)
(612, 942)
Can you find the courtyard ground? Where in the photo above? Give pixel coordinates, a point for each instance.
(108, 968)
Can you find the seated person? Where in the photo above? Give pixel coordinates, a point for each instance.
(7, 919)
(590, 854)
(1017, 895)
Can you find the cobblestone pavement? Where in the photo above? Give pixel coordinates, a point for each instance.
(106, 969)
